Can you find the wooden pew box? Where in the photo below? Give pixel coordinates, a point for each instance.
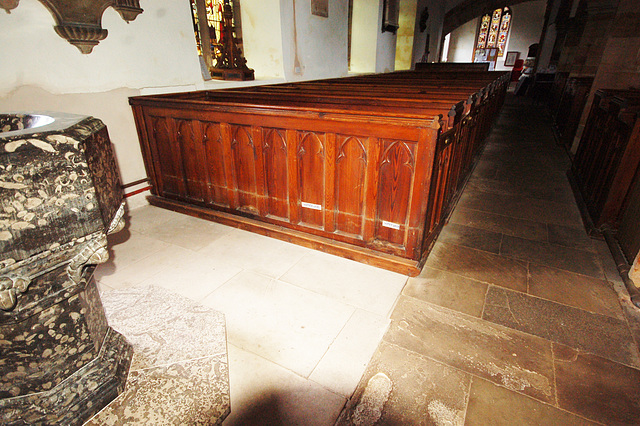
(365, 186)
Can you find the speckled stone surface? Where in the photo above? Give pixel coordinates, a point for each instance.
(42, 350)
(55, 186)
(60, 194)
(179, 372)
(63, 364)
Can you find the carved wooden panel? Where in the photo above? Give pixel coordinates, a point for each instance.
(191, 152)
(274, 151)
(214, 160)
(170, 174)
(396, 178)
(608, 156)
(311, 173)
(351, 166)
(349, 181)
(438, 192)
(244, 161)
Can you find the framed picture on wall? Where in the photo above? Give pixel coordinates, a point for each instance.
(390, 15)
(511, 58)
(320, 8)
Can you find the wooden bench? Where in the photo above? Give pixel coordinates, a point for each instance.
(365, 173)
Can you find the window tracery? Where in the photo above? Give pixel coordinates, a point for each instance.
(218, 39)
(494, 31)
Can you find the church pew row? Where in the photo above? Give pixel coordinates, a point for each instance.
(452, 66)
(363, 174)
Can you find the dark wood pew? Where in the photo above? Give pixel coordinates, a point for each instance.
(452, 66)
(370, 177)
(608, 156)
(572, 103)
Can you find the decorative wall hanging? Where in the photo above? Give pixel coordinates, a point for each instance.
(391, 12)
(424, 17)
(511, 59)
(320, 8)
(215, 27)
(79, 21)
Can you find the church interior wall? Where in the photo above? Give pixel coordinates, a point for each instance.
(386, 46)
(436, 11)
(461, 42)
(364, 36)
(318, 43)
(527, 22)
(405, 35)
(155, 53)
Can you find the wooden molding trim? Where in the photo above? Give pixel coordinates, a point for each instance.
(371, 257)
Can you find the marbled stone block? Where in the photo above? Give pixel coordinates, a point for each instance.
(60, 195)
(62, 363)
(54, 187)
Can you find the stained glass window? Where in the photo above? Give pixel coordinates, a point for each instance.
(484, 30)
(213, 9)
(495, 26)
(494, 31)
(505, 24)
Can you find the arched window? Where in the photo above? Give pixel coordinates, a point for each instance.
(218, 37)
(494, 31)
(213, 11)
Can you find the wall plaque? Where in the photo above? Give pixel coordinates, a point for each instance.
(320, 8)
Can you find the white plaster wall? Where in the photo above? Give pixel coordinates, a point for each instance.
(461, 42)
(526, 27)
(157, 49)
(366, 25)
(371, 49)
(155, 53)
(262, 38)
(320, 43)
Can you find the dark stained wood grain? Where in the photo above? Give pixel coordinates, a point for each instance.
(243, 150)
(351, 167)
(311, 185)
(397, 169)
(194, 170)
(213, 157)
(608, 157)
(274, 151)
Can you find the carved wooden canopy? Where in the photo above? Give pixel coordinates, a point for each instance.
(80, 21)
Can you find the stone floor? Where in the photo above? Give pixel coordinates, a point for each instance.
(301, 325)
(177, 372)
(517, 317)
